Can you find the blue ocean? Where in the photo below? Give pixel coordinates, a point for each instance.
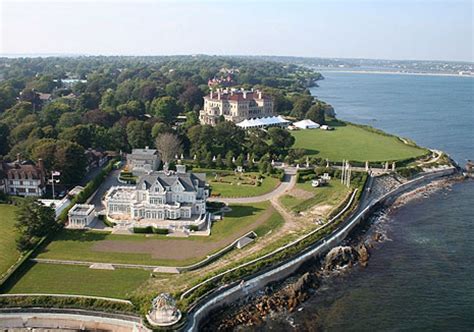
(422, 277)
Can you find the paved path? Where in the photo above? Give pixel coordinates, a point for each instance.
(286, 185)
(154, 268)
(78, 320)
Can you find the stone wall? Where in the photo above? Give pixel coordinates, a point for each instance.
(235, 292)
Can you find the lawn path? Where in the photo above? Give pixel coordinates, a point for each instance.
(287, 184)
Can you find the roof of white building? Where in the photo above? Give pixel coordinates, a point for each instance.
(306, 123)
(263, 122)
(187, 180)
(145, 151)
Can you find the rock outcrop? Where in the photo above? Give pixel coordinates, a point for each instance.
(339, 257)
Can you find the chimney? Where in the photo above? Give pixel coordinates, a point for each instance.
(219, 94)
(41, 164)
(210, 95)
(18, 158)
(146, 147)
(181, 169)
(245, 94)
(259, 94)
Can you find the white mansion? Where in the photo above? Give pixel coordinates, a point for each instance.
(161, 199)
(235, 105)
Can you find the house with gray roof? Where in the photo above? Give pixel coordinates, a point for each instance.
(143, 160)
(161, 199)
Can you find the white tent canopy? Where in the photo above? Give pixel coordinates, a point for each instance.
(306, 124)
(270, 121)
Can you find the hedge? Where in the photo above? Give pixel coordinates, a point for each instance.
(66, 302)
(143, 230)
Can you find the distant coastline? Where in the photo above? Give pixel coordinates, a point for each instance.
(380, 72)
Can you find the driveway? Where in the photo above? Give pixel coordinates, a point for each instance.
(110, 181)
(286, 185)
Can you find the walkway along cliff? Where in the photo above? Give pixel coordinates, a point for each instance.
(251, 284)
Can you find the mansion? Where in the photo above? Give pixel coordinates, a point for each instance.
(161, 199)
(23, 178)
(235, 105)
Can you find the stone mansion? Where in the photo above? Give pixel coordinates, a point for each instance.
(161, 199)
(235, 105)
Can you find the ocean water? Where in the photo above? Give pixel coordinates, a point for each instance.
(422, 278)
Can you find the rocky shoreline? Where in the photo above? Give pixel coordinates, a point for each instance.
(287, 296)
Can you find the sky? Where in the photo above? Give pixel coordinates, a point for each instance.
(377, 29)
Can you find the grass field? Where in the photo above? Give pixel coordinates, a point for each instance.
(79, 280)
(158, 249)
(8, 253)
(331, 194)
(228, 184)
(353, 143)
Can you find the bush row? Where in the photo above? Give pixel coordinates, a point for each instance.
(66, 302)
(150, 230)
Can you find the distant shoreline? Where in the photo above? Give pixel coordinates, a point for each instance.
(380, 72)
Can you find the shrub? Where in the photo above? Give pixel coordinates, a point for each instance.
(162, 231)
(193, 228)
(143, 230)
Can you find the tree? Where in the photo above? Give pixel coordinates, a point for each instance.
(158, 129)
(281, 138)
(69, 119)
(33, 221)
(51, 113)
(165, 108)
(136, 134)
(64, 156)
(316, 114)
(301, 105)
(82, 134)
(208, 160)
(219, 163)
(240, 160)
(168, 145)
(131, 108)
(4, 133)
(228, 159)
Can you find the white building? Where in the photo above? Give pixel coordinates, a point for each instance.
(306, 124)
(143, 160)
(161, 199)
(23, 178)
(81, 216)
(235, 105)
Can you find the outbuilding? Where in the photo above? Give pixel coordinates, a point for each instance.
(81, 216)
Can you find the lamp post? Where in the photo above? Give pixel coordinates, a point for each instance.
(53, 174)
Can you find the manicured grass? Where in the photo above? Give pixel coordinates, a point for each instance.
(229, 184)
(353, 143)
(8, 253)
(272, 224)
(79, 280)
(79, 245)
(331, 194)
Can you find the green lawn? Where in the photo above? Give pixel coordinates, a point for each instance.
(8, 253)
(79, 245)
(353, 143)
(79, 280)
(331, 194)
(273, 223)
(227, 184)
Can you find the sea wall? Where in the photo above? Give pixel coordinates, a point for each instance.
(236, 291)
